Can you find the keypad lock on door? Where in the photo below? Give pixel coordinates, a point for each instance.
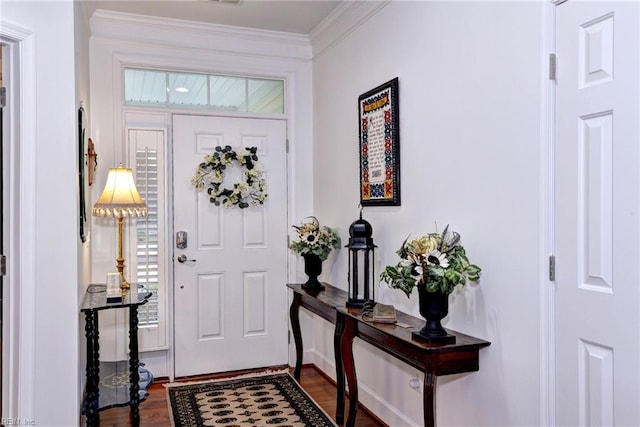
(181, 240)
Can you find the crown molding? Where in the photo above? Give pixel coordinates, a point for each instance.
(345, 19)
(170, 32)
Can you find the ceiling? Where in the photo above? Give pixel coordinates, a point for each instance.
(293, 16)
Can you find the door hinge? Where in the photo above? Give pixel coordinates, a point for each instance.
(552, 268)
(3, 265)
(3, 97)
(287, 145)
(288, 337)
(552, 66)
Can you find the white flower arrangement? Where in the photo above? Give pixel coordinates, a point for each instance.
(436, 261)
(315, 239)
(210, 177)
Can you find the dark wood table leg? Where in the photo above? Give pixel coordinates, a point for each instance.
(134, 365)
(339, 369)
(92, 398)
(294, 315)
(429, 396)
(346, 347)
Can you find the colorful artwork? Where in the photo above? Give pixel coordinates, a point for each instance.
(380, 146)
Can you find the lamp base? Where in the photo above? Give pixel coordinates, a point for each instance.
(124, 285)
(125, 290)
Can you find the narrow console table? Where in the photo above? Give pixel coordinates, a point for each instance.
(323, 303)
(94, 301)
(432, 359)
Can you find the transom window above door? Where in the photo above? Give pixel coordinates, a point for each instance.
(144, 87)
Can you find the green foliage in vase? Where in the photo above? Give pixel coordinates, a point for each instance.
(315, 239)
(436, 261)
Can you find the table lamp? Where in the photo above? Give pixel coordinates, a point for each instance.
(120, 199)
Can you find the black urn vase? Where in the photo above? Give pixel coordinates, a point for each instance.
(312, 268)
(434, 306)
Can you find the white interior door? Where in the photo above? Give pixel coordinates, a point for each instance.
(597, 214)
(231, 302)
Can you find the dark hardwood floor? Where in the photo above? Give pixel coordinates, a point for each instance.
(154, 410)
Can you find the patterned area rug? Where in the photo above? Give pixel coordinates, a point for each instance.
(263, 400)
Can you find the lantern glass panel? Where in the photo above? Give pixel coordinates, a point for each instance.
(361, 276)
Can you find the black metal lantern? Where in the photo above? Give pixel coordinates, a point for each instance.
(361, 263)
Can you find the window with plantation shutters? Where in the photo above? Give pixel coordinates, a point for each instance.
(148, 257)
(146, 173)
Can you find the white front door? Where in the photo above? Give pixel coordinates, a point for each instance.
(597, 214)
(231, 300)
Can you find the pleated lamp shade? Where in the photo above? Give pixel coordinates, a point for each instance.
(120, 197)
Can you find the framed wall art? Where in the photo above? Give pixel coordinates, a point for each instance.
(92, 162)
(81, 174)
(379, 146)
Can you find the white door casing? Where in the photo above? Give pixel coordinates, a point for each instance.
(20, 220)
(231, 303)
(596, 218)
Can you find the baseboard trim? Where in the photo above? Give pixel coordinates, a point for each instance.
(385, 408)
(333, 382)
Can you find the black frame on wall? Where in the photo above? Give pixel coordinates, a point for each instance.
(379, 145)
(81, 175)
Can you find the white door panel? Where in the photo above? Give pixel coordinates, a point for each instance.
(597, 207)
(231, 301)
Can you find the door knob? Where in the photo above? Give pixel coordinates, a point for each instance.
(182, 258)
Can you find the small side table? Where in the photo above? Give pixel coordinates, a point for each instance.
(95, 300)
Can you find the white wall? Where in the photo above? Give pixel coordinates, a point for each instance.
(50, 363)
(81, 36)
(469, 76)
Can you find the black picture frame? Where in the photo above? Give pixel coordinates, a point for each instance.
(379, 145)
(82, 220)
